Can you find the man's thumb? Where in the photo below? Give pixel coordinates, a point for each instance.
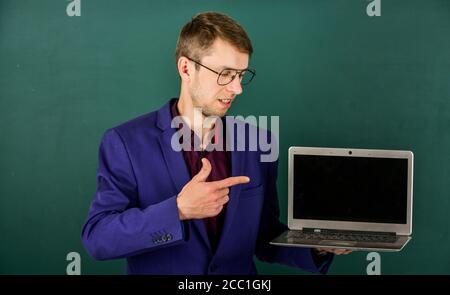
(203, 174)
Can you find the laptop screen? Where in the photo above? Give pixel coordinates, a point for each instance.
(350, 188)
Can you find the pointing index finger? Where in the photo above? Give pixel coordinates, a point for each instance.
(231, 181)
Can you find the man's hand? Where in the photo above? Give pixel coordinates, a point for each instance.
(199, 199)
(322, 251)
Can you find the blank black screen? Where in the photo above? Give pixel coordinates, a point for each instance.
(350, 189)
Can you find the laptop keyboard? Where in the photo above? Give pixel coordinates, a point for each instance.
(340, 236)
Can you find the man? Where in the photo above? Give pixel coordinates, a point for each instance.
(194, 211)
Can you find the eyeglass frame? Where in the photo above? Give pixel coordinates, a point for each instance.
(238, 72)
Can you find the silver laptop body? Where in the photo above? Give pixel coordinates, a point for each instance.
(348, 198)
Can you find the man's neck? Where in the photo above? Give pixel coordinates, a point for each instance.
(197, 121)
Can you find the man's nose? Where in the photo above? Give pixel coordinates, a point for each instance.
(235, 86)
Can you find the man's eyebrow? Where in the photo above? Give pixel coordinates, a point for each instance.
(230, 68)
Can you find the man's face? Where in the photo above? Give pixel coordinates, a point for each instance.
(212, 98)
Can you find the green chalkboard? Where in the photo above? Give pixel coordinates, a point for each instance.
(335, 76)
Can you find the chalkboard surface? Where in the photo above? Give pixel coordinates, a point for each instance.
(334, 75)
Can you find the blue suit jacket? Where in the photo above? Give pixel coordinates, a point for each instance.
(134, 213)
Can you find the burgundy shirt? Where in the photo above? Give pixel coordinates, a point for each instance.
(221, 168)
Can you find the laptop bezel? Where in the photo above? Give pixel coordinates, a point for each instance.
(299, 224)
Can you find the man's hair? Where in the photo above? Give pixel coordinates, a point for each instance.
(198, 35)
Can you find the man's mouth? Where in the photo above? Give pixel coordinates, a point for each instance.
(226, 102)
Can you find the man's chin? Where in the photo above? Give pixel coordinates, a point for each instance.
(214, 114)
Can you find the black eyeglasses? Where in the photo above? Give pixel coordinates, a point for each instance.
(226, 76)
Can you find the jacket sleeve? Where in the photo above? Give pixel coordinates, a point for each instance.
(116, 227)
(271, 227)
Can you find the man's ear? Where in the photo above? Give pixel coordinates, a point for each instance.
(184, 69)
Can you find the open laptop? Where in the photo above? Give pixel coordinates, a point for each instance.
(349, 198)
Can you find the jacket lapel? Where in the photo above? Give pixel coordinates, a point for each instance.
(237, 169)
(175, 162)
